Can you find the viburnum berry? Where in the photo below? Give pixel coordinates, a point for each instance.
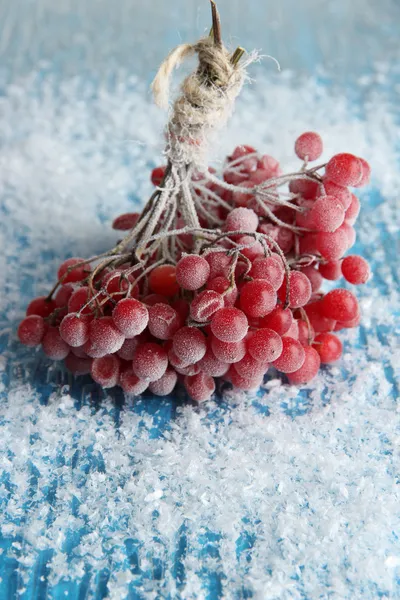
(31, 330)
(74, 330)
(164, 321)
(228, 352)
(304, 187)
(126, 221)
(78, 299)
(292, 356)
(150, 361)
(332, 246)
(318, 320)
(327, 213)
(105, 370)
(131, 317)
(165, 385)
(162, 280)
(77, 365)
(350, 234)
(366, 173)
(252, 248)
(229, 325)
(219, 263)
(152, 299)
(221, 285)
(200, 387)
(241, 219)
(314, 276)
(329, 347)
(305, 332)
(309, 146)
(42, 306)
(192, 272)
(265, 345)
(205, 305)
(278, 320)
(70, 272)
(352, 210)
(241, 382)
(344, 169)
(127, 350)
(241, 198)
(309, 368)
(339, 304)
(355, 269)
(53, 345)
(257, 298)
(131, 384)
(157, 176)
(299, 290)
(189, 344)
(63, 295)
(331, 270)
(270, 268)
(339, 192)
(105, 336)
(250, 367)
(211, 365)
(117, 284)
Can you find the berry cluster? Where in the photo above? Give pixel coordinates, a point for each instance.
(221, 279)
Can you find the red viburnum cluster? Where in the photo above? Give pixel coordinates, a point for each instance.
(228, 299)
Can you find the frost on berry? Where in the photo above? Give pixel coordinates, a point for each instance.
(105, 370)
(200, 387)
(31, 330)
(205, 305)
(292, 356)
(309, 146)
(192, 272)
(42, 306)
(229, 325)
(150, 361)
(53, 345)
(131, 317)
(165, 385)
(72, 270)
(309, 368)
(105, 336)
(189, 344)
(164, 321)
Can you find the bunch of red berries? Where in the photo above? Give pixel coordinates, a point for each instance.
(235, 293)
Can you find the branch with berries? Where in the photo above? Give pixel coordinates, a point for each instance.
(220, 275)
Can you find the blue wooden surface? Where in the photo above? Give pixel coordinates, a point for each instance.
(91, 40)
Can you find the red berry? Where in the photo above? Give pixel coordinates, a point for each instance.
(63, 295)
(344, 169)
(308, 243)
(257, 298)
(265, 345)
(229, 324)
(192, 272)
(162, 280)
(350, 234)
(210, 365)
(219, 263)
(221, 285)
(164, 321)
(125, 222)
(241, 198)
(329, 347)
(74, 330)
(157, 175)
(150, 361)
(314, 277)
(242, 382)
(105, 371)
(117, 284)
(252, 249)
(340, 305)
(353, 210)
(131, 384)
(355, 270)
(366, 173)
(309, 368)
(251, 368)
(292, 356)
(205, 305)
(241, 219)
(152, 299)
(270, 268)
(127, 350)
(31, 330)
(69, 273)
(53, 345)
(189, 344)
(105, 336)
(306, 188)
(165, 385)
(278, 320)
(331, 270)
(77, 365)
(228, 352)
(299, 292)
(332, 246)
(327, 213)
(200, 387)
(340, 192)
(270, 165)
(305, 333)
(131, 317)
(309, 146)
(78, 300)
(318, 320)
(41, 306)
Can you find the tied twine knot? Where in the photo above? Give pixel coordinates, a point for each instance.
(206, 101)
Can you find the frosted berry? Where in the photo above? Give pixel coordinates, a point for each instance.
(53, 345)
(157, 176)
(131, 317)
(305, 332)
(205, 305)
(74, 330)
(131, 384)
(243, 383)
(252, 248)
(366, 173)
(309, 368)
(314, 277)
(229, 325)
(318, 320)
(344, 169)
(211, 365)
(221, 285)
(162, 280)
(278, 320)
(125, 222)
(105, 371)
(355, 270)
(309, 146)
(41, 306)
(340, 192)
(270, 268)
(265, 345)
(77, 365)
(219, 263)
(200, 387)
(332, 246)
(127, 350)
(304, 187)
(329, 347)
(251, 368)
(353, 210)
(31, 330)
(340, 305)
(228, 352)
(78, 299)
(299, 292)
(165, 385)
(241, 219)
(105, 336)
(331, 270)
(189, 344)
(69, 272)
(192, 272)
(257, 298)
(292, 356)
(327, 213)
(164, 321)
(150, 361)
(63, 295)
